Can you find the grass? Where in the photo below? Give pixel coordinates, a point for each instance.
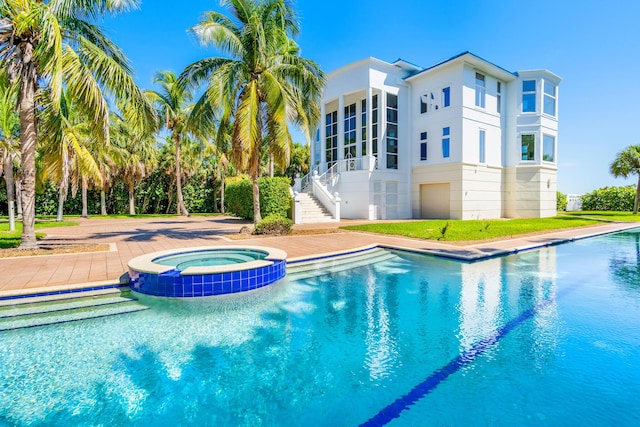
(606, 215)
(457, 230)
(11, 239)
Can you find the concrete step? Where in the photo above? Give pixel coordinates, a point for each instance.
(20, 313)
(312, 211)
(312, 268)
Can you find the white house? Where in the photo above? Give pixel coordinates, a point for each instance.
(463, 139)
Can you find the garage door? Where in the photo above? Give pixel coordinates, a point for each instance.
(434, 201)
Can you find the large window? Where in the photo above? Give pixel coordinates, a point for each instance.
(528, 144)
(374, 125)
(350, 131)
(446, 97)
(481, 142)
(331, 138)
(423, 146)
(498, 96)
(392, 131)
(363, 127)
(446, 142)
(529, 96)
(548, 148)
(480, 90)
(549, 106)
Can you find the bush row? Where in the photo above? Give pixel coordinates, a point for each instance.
(610, 199)
(274, 196)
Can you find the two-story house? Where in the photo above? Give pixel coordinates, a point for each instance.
(463, 139)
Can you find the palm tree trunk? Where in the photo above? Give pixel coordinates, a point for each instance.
(635, 203)
(256, 202)
(223, 178)
(85, 214)
(271, 165)
(182, 210)
(19, 198)
(103, 202)
(60, 205)
(28, 138)
(11, 196)
(132, 202)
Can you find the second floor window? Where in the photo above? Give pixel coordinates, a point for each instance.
(446, 142)
(446, 97)
(498, 96)
(423, 146)
(482, 147)
(350, 131)
(480, 90)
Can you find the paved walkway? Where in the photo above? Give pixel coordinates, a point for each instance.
(134, 237)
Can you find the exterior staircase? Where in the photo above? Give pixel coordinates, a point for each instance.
(312, 209)
(30, 312)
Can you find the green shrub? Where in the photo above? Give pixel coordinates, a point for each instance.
(610, 199)
(561, 201)
(274, 196)
(274, 225)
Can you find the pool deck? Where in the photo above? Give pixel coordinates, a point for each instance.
(129, 238)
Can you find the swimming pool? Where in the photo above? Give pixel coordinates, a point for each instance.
(550, 336)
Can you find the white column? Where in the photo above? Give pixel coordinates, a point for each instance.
(341, 127)
(369, 122)
(382, 131)
(323, 136)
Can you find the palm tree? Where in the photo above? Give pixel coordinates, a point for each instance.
(48, 45)
(262, 85)
(9, 134)
(626, 163)
(173, 105)
(140, 155)
(67, 134)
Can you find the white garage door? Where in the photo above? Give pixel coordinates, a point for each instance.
(435, 201)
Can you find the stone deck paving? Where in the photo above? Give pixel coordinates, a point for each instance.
(134, 237)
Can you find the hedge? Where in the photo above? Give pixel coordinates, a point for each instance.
(274, 196)
(561, 202)
(274, 225)
(610, 199)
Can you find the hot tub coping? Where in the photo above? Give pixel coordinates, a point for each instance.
(145, 264)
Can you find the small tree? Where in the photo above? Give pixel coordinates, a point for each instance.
(627, 163)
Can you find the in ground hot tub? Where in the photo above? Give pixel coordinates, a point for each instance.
(206, 271)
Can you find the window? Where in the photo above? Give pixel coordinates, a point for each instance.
(331, 138)
(528, 147)
(548, 148)
(350, 131)
(549, 106)
(480, 90)
(482, 147)
(529, 96)
(423, 146)
(374, 125)
(499, 96)
(424, 103)
(392, 131)
(363, 126)
(446, 97)
(445, 142)
(317, 150)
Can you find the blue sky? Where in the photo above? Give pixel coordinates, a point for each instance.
(592, 45)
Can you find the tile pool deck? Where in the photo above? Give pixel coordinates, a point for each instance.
(130, 238)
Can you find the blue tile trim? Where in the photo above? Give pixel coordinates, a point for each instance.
(173, 284)
(392, 411)
(66, 291)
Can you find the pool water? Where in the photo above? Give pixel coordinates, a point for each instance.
(546, 337)
(210, 258)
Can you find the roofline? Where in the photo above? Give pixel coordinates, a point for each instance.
(544, 71)
(506, 73)
(360, 62)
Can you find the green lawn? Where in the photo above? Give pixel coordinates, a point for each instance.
(11, 239)
(606, 215)
(473, 229)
